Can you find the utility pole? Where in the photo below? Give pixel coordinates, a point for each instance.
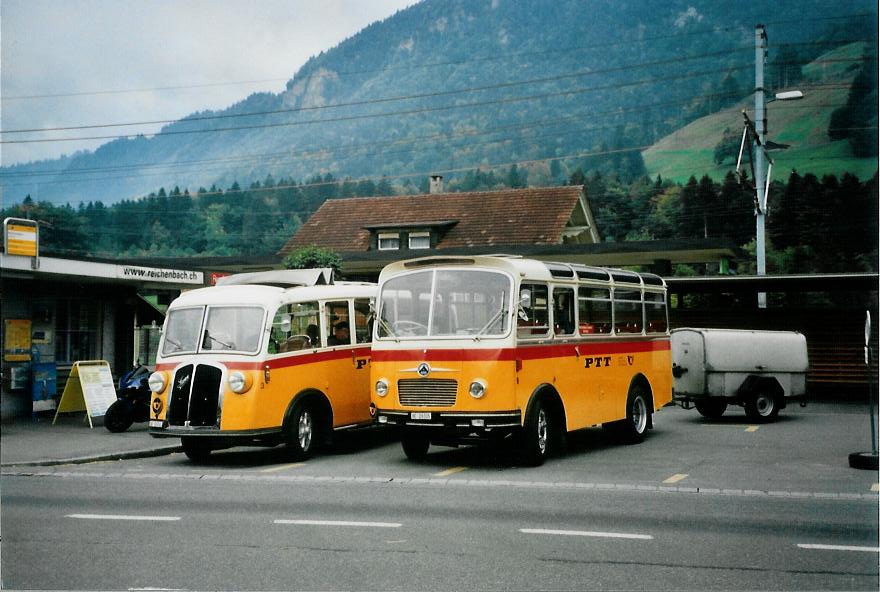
(760, 132)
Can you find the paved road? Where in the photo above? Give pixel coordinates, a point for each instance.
(721, 505)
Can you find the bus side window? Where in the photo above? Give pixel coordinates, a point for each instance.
(563, 311)
(338, 327)
(533, 320)
(655, 312)
(627, 311)
(594, 311)
(363, 322)
(290, 328)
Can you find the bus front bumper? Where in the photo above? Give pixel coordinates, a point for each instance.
(460, 424)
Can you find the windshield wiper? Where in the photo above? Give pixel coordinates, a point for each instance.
(215, 340)
(384, 324)
(498, 315)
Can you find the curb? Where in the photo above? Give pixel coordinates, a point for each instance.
(96, 458)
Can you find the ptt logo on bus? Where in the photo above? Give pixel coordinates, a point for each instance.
(267, 358)
(517, 350)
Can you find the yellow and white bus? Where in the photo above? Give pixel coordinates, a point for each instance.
(262, 359)
(498, 347)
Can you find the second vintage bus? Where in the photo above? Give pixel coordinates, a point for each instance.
(511, 349)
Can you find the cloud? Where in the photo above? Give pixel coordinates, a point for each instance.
(51, 47)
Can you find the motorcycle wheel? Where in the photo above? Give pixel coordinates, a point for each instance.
(119, 416)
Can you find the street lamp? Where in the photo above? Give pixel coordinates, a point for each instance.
(762, 185)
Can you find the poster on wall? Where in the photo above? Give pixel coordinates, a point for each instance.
(17, 340)
(89, 388)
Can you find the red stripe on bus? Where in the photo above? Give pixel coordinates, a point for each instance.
(524, 352)
(295, 359)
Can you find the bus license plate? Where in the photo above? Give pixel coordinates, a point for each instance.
(420, 415)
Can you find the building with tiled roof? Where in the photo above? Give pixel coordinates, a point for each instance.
(409, 225)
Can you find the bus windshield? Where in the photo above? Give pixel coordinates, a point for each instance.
(445, 303)
(228, 328)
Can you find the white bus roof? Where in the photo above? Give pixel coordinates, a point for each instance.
(532, 269)
(269, 296)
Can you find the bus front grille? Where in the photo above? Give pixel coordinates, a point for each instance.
(195, 395)
(427, 392)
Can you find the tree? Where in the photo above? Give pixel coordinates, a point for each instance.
(311, 257)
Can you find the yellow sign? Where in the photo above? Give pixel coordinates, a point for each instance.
(89, 388)
(21, 237)
(17, 340)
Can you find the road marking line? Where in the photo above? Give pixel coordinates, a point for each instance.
(583, 533)
(123, 517)
(875, 487)
(748, 428)
(451, 471)
(282, 467)
(676, 478)
(340, 523)
(841, 548)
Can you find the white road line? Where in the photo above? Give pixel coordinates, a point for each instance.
(283, 467)
(340, 523)
(676, 478)
(608, 535)
(123, 517)
(840, 548)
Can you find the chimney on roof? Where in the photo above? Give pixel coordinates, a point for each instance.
(436, 184)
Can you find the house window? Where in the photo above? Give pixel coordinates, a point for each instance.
(389, 241)
(419, 240)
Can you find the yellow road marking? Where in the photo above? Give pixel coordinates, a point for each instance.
(282, 467)
(676, 478)
(451, 471)
(875, 487)
(748, 428)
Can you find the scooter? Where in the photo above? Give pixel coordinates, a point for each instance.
(133, 400)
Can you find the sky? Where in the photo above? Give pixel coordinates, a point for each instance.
(115, 61)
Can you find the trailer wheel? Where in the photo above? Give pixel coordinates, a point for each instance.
(711, 408)
(762, 406)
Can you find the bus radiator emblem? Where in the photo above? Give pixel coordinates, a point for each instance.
(423, 369)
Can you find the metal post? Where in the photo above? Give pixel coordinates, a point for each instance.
(761, 131)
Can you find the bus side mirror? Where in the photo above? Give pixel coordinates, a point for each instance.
(525, 301)
(285, 324)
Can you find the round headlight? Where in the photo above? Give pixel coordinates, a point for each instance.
(381, 387)
(238, 382)
(477, 389)
(157, 382)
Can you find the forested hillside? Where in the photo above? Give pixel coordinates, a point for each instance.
(453, 85)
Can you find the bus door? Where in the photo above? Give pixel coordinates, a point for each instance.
(346, 331)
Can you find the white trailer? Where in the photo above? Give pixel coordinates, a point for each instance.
(758, 370)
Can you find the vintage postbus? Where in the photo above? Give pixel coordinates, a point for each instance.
(263, 359)
(498, 347)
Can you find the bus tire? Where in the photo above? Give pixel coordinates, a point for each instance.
(301, 432)
(196, 449)
(534, 440)
(711, 408)
(638, 403)
(762, 407)
(415, 445)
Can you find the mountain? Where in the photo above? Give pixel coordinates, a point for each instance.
(453, 85)
(801, 127)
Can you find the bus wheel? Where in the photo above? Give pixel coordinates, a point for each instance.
(635, 425)
(415, 445)
(196, 449)
(762, 407)
(711, 408)
(535, 437)
(301, 431)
